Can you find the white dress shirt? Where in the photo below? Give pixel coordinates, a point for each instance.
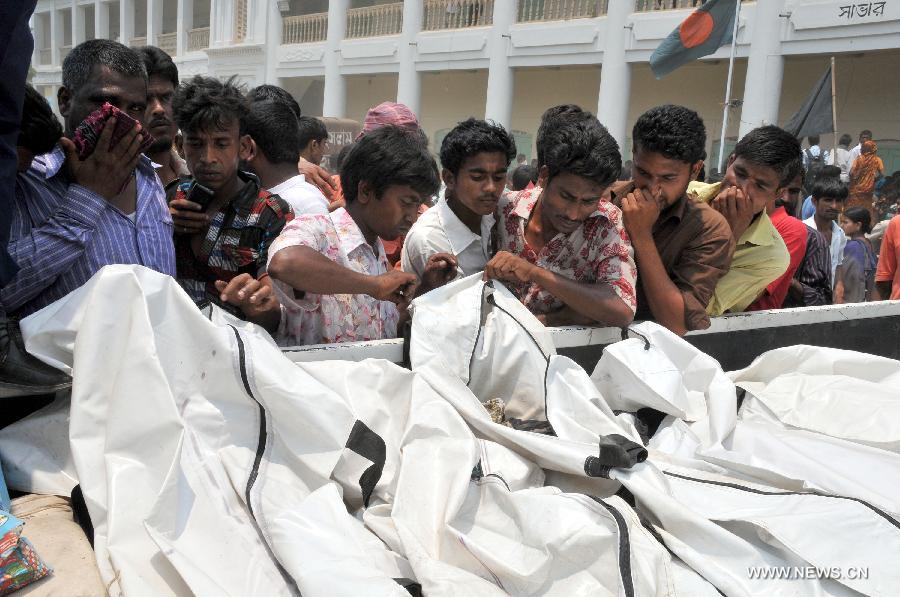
(303, 197)
(439, 230)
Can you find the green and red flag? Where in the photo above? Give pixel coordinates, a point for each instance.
(706, 30)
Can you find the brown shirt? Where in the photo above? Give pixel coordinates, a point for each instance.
(695, 245)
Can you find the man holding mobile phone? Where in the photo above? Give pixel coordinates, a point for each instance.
(71, 215)
(224, 219)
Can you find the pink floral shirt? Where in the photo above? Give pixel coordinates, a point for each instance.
(597, 252)
(324, 319)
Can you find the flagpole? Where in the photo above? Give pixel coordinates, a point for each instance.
(833, 114)
(734, 32)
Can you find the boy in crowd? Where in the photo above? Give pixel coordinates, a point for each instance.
(811, 285)
(764, 163)
(70, 216)
(523, 177)
(474, 156)
(163, 81)
(331, 272)
(313, 138)
(828, 196)
(565, 251)
(222, 237)
(682, 247)
(275, 140)
(794, 234)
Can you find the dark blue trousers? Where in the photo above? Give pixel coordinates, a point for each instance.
(16, 46)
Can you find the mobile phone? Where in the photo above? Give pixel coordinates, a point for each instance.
(87, 134)
(199, 194)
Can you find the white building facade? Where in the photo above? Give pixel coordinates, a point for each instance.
(508, 60)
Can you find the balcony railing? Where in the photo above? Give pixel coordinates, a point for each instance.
(63, 52)
(458, 14)
(560, 10)
(137, 42)
(168, 43)
(45, 56)
(652, 5)
(372, 21)
(198, 39)
(304, 29)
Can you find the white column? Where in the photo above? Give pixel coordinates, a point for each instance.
(273, 37)
(409, 81)
(335, 100)
(56, 39)
(184, 23)
(615, 74)
(38, 38)
(126, 21)
(78, 29)
(765, 68)
(154, 21)
(221, 23)
(101, 19)
(501, 79)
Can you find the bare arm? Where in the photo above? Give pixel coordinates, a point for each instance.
(307, 270)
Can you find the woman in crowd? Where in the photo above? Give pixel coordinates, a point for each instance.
(865, 171)
(859, 256)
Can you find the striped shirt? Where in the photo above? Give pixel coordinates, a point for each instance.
(63, 233)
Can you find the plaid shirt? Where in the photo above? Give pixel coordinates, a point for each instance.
(236, 242)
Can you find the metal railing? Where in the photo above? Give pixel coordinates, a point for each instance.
(304, 29)
(653, 5)
(137, 42)
(530, 11)
(457, 14)
(240, 20)
(198, 39)
(45, 56)
(168, 43)
(372, 21)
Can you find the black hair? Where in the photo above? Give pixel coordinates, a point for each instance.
(572, 140)
(81, 61)
(274, 93)
(206, 104)
(40, 129)
(866, 132)
(860, 215)
(310, 129)
(845, 139)
(471, 137)
(774, 148)
(675, 132)
(159, 64)
(389, 155)
(521, 176)
(341, 156)
(829, 172)
(275, 131)
(829, 188)
(813, 140)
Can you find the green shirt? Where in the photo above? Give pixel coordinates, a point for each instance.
(760, 258)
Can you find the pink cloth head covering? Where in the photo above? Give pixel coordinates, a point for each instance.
(389, 113)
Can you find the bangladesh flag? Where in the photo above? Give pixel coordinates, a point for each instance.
(706, 30)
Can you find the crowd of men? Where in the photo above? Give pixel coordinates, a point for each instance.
(229, 199)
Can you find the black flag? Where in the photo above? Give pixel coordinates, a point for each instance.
(815, 115)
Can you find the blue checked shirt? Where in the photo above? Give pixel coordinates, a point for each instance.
(63, 233)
